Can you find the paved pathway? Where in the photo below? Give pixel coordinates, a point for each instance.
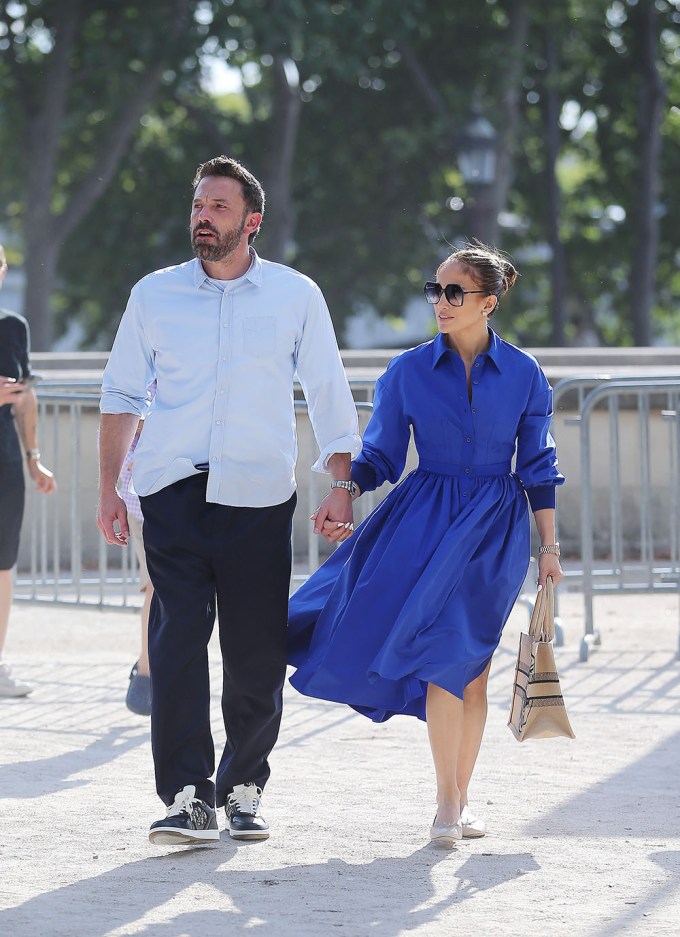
(584, 836)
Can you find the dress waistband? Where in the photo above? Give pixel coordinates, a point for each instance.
(472, 471)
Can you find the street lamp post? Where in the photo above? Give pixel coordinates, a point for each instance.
(477, 161)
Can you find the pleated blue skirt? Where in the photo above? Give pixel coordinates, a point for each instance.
(418, 595)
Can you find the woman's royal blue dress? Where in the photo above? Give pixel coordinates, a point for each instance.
(421, 592)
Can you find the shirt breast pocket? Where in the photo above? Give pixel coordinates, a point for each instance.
(259, 336)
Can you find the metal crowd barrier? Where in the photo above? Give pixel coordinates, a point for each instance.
(608, 565)
(63, 557)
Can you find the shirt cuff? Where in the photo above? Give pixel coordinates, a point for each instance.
(541, 497)
(351, 444)
(113, 402)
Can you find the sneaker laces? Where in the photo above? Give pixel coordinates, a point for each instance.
(245, 798)
(184, 801)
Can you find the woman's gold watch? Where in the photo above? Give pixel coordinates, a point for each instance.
(553, 548)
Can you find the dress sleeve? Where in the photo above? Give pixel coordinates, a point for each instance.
(385, 443)
(536, 464)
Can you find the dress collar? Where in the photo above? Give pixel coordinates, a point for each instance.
(494, 351)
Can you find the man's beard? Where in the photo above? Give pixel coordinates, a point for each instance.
(225, 244)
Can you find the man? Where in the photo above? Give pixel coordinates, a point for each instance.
(223, 335)
(18, 411)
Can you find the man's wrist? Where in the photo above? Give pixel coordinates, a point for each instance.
(33, 455)
(347, 485)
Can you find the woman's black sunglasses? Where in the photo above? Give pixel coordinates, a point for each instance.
(455, 294)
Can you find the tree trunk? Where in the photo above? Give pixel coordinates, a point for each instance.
(551, 113)
(40, 264)
(280, 216)
(45, 232)
(508, 111)
(645, 21)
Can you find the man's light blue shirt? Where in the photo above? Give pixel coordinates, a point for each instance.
(225, 361)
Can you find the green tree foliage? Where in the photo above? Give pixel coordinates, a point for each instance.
(352, 114)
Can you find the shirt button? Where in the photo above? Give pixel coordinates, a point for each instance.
(221, 391)
(475, 382)
(465, 494)
(467, 439)
(474, 409)
(218, 422)
(224, 357)
(476, 364)
(215, 459)
(467, 471)
(226, 325)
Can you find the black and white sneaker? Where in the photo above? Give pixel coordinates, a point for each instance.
(188, 821)
(243, 813)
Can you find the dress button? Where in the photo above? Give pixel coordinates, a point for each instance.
(467, 471)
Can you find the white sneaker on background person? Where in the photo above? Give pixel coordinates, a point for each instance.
(11, 686)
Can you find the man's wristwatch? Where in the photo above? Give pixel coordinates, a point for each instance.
(33, 454)
(550, 548)
(348, 485)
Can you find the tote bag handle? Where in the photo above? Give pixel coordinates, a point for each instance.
(542, 625)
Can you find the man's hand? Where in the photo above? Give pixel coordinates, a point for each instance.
(10, 390)
(333, 519)
(112, 510)
(43, 478)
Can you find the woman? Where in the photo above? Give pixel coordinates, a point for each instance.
(405, 616)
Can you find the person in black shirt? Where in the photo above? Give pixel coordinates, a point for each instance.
(18, 426)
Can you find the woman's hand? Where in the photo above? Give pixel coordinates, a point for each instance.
(43, 478)
(10, 390)
(549, 565)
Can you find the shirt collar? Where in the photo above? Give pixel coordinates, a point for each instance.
(254, 272)
(494, 351)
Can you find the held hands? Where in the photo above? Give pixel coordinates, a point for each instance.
(333, 518)
(112, 511)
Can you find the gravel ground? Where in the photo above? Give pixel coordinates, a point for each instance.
(584, 835)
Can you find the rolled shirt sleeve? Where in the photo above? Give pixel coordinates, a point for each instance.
(130, 368)
(322, 375)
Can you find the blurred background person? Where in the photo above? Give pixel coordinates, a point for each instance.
(18, 439)
(138, 698)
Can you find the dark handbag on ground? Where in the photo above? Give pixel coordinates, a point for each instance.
(537, 710)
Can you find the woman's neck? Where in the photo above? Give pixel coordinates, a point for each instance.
(469, 346)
